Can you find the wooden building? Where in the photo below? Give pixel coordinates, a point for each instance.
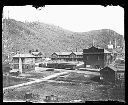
(24, 62)
(112, 74)
(108, 74)
(96, 57)
(67, 56)
(38, 56)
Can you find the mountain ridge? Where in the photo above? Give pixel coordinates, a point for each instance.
(50, 38)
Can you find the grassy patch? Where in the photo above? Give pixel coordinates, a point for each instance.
(74, 77)
(71, 89)
(10, 81)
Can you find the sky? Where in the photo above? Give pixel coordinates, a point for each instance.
(76, 18)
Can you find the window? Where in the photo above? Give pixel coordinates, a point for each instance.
(87, 57)
(23, 66)
(26, 66)
(32, 66)
(98, 58)
(16, 66)
(16, 60)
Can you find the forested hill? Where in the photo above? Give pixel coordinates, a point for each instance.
(48, 38)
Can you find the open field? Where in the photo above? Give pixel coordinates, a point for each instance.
(75, 77)
(10, 81)
(38, 75)
(26, 77)
(72, 89)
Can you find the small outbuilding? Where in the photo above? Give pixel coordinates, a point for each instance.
(108, 74)
(112, 74)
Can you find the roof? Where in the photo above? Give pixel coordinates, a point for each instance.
(95, 50)
(14, 70)
(63, 53)
(109, 66)
(106, 51)
(36, 53)
(78, 53)
(119, 60)
(113, 68)
(68, 53)
(24, 56)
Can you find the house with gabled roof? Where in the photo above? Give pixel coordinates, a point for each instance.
(67, 56)
(113, 72)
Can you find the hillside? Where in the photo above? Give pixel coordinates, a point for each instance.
(48, 38)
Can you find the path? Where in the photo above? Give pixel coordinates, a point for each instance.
(36, 81)
(78, 71)
(49, 77)
(92, 71)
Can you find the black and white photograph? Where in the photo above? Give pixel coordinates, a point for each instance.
(63, 53)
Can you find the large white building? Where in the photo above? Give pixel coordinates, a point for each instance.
(24, 62)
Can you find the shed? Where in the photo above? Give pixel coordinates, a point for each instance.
(110, 73)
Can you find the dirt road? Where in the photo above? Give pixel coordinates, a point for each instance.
(35, 81)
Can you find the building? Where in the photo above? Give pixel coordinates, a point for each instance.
(24, 62)
(96, 57)
(108, 74)
(112, 74)
(78, 56)
(36, 53)
(110, 46)
(38, 56)
(67, 56)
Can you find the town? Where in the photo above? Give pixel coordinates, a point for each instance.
(63, 54)
(66, 76)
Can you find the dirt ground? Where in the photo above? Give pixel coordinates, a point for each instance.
(68, 90)
(10, 81)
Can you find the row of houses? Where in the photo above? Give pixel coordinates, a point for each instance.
(111, 69)
(95, 57)
(67, 56)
